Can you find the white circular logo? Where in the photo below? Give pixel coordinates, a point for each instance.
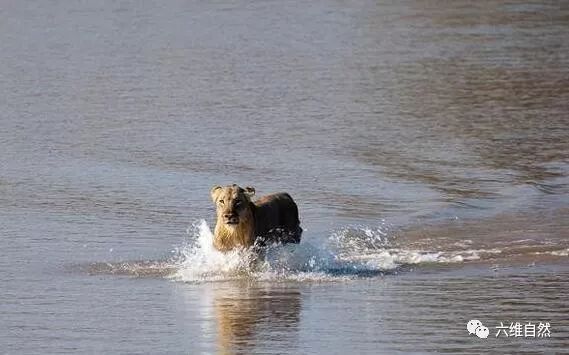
(475, 326)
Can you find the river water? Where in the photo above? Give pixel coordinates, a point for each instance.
(426, 143)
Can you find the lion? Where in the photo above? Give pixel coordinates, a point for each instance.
(242, 223)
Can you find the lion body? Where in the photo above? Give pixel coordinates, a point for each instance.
(242, 223)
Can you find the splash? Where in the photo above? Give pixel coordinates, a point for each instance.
(348, 253)
(199, 261)
(353, 252)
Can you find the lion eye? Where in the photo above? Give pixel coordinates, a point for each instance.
(221, 202)
(238, 203)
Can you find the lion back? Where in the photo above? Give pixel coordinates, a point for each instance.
(276, 219)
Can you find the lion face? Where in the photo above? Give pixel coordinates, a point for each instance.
(232, 203)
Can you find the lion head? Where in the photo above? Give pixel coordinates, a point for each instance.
(232, 203)
(235, 224)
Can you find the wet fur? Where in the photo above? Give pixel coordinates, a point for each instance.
(271, 219)
(228, 238)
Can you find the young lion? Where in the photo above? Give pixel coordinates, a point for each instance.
(242, 223)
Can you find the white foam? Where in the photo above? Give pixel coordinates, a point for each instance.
(350, 253)
(199, 259)
(560, 252)
(396, 257)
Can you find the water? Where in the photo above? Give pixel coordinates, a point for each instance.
(426, 144)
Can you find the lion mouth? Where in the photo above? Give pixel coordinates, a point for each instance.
(232, 222)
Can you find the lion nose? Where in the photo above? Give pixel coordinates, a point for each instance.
(231, 218)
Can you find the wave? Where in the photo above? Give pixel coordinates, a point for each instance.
(353, 252)
(348, 253)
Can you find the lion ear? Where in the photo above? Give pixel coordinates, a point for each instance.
(250, 191)
(215, 191)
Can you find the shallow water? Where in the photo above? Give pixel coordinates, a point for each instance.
(427, 146)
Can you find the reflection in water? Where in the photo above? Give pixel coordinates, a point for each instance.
(253, 316)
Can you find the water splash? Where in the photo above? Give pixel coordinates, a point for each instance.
(348, 253)
(352, 252)
(199, 261)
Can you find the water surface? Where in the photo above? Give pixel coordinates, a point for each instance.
(426, 143)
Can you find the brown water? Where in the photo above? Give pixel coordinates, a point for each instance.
(426, 143)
